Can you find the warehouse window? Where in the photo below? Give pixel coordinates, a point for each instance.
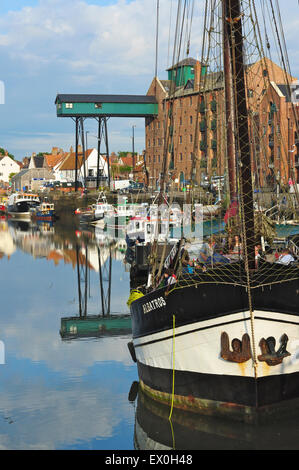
(68, 105)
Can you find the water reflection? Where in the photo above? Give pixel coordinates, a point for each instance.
(94, 325)
(191, 431)
(65, 381)
(55, 393)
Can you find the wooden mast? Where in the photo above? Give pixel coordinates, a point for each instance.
(232, 17)
(230, 148)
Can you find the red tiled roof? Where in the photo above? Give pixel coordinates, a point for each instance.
(53, 159)
(128, 160)
(70, 161)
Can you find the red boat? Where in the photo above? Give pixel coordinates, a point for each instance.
(3, 209)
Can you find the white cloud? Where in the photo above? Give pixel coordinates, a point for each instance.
(82, 36)
(75, 47)
(57, 418)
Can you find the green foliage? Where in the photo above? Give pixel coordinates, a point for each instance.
(125, 154)
(125, 169)
(2, 152)
(203, 163)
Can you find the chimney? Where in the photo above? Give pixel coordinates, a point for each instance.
(197, 71)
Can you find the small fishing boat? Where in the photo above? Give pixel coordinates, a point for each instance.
(102, 208)
(20, 205)
(151, 225)
(86, 214)
(45, 211)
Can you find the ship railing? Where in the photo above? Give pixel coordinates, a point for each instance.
(294, 248)
(272, 212)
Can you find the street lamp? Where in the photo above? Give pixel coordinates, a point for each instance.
(87, 132)
(133, 150)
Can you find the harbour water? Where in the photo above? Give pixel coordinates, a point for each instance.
(64, 387)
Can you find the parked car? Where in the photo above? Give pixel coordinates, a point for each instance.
(136, 188)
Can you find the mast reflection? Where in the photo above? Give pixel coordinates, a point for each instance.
(97, 258)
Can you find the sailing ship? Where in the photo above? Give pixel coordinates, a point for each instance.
(223, 339)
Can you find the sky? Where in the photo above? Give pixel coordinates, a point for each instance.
(88, 46)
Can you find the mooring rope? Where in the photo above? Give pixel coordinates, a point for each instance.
(173, 366)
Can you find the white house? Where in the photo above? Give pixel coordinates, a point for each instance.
(65, 170)
(7, 166)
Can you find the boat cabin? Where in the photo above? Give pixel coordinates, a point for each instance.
(19, 197)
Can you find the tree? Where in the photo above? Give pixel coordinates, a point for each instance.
(3, 152)
(125, 154)
(125, 169)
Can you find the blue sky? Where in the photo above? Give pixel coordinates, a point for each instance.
(87, 46)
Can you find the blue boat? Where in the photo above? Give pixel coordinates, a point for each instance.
(45, 211)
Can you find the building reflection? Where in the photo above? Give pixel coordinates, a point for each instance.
(87, 251)
(7, 244)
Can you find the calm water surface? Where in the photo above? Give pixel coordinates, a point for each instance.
(64, 389)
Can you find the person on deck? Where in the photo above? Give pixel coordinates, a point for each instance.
(187, 264)
(168, 278)
(285, 258)
(207, 250)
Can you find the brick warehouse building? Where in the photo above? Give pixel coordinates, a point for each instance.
(191, 92)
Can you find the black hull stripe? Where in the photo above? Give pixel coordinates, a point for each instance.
(192, 305)
(277, 320)
(211, 326)
(233, 390)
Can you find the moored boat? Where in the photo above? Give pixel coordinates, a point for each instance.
(86, 214)
(3, 209)
(102, 208)
(45, 211)
(20, 205)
